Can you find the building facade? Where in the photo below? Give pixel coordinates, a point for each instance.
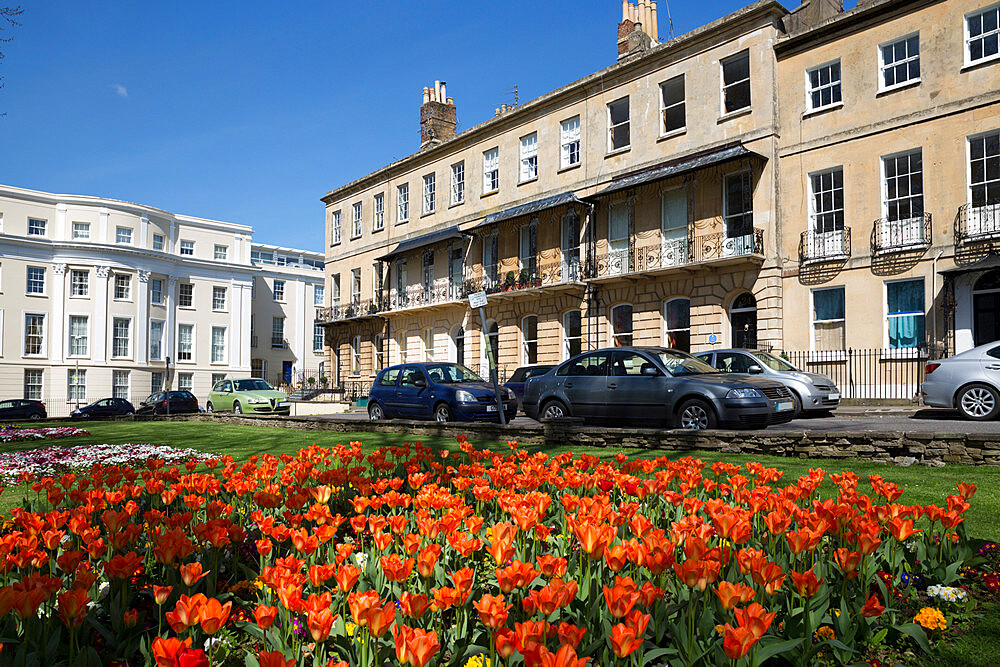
(813, 182)
(101, 298)
(286, 344)
(632, 206)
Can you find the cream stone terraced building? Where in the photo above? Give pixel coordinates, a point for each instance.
(632, 206)
(889, 187)
(96, 294)
(813, 181)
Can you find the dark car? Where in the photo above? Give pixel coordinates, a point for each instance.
(442, 391)
(22, 408)
(106, 407)
(642, 385)
(520, 376)
(181, 402)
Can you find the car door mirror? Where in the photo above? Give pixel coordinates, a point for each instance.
(419, 383)
(649, 370)
(755, 369)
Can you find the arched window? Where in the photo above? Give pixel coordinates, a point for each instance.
(621, 325)
(379, 353)
(743, 318)
(572, 334)
(677, 324)
(986, 308)
(458, 344)
(529, 340)
(356, 355)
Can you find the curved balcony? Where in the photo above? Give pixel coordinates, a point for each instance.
(349, 311)
(670, 253)
(977, 223)
(832, 246)
(901, 235)
(564, 271)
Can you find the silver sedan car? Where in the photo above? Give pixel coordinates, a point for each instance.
(968, 382)
(811, 392)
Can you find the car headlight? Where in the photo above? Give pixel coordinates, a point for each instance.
(744, 392)
(510, 392)
(463, 396)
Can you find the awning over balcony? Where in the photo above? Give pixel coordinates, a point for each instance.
(987, 263)
(422, 242)
(528, 209)
(678, 166)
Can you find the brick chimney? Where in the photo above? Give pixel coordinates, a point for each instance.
(438, 116)
(637, 30)
(812, 13)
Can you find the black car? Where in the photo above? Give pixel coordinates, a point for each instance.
(181, 402)
(22, 408)
(643, 385)
(520, 376)
(440, 391)
(106, 407)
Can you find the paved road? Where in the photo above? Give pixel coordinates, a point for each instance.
(928, 421)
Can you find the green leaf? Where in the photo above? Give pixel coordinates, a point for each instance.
(769, 649)
(658, 653)
(917, 633)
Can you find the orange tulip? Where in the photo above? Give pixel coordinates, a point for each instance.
(500, 551)
(872, 608)
(552, 566)
(73, 607)
(623, 641)
(570, 635)
(421, 647)
(401, 635)
(265, 615)
(620, 600)
(347, 575)
(754, 617)
(806, 583)
(161, 594)
(737, 641)
(847, 561)
(504, 641)
(360, 603)
(901, 529)
(732, 594)
(413, 605)
(427, 559)
(380, 617)
(697, 573)
(167, 652)
(395, 568)
(320, 622)
(192, 573)
(492, 611)
(274, 659)
(214, 615)
(186, 613)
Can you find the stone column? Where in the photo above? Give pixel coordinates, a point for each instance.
(99, 330)
(57, 326)
(141, 329)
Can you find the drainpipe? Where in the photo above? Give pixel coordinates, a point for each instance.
(934, 295)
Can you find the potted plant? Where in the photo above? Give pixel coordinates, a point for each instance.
(323, 380)
(508, 281)
(311, 381)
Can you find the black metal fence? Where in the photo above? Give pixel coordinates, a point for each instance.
(877, 374)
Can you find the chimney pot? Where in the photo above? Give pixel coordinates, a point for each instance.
(438, 116)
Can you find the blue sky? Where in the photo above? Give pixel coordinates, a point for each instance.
(249, 112)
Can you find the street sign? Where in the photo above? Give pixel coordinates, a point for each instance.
(713, 339)
(477, 299)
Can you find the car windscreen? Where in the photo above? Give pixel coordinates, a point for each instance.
(682, 364)
(775, 363)
(450, 374)
(252, 385)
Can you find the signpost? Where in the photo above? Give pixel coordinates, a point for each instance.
(478, 300)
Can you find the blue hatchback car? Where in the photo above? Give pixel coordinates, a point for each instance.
(442, 391)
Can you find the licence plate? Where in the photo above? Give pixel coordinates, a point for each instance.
(491, 408)
(834, 397)
(785, 405)
(284, 404)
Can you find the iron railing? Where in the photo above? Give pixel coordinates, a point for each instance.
(541, 274)
(348, 311)
(901, 235)
(977, 223)
(874, 373)
(666, 253)
(825, 246)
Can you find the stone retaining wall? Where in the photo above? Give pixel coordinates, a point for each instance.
(934, 449)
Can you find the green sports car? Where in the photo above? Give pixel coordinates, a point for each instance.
(250, 396)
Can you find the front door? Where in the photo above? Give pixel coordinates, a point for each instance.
(286, 372)
(585, 385)
(986, 317)
(632, 395)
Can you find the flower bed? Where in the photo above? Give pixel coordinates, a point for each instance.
(60, 460)
(420, 558)
(15, 434)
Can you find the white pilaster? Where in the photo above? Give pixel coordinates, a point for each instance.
(143, 241)
(104, 232)
(57, 326)
(99, 327)
(236, 334)
(61, 232)
(247, 313)
(141, 328)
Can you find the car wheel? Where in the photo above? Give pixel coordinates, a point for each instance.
(237, 408)
(978, 402)
(796, 405)
(375, 412)
(696, 415)
(554, 410)
(210, 407)
(35, 415)
(442, 413)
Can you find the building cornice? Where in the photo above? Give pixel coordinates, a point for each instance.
(752, 17)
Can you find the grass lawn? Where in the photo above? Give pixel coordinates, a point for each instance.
(921, 484)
